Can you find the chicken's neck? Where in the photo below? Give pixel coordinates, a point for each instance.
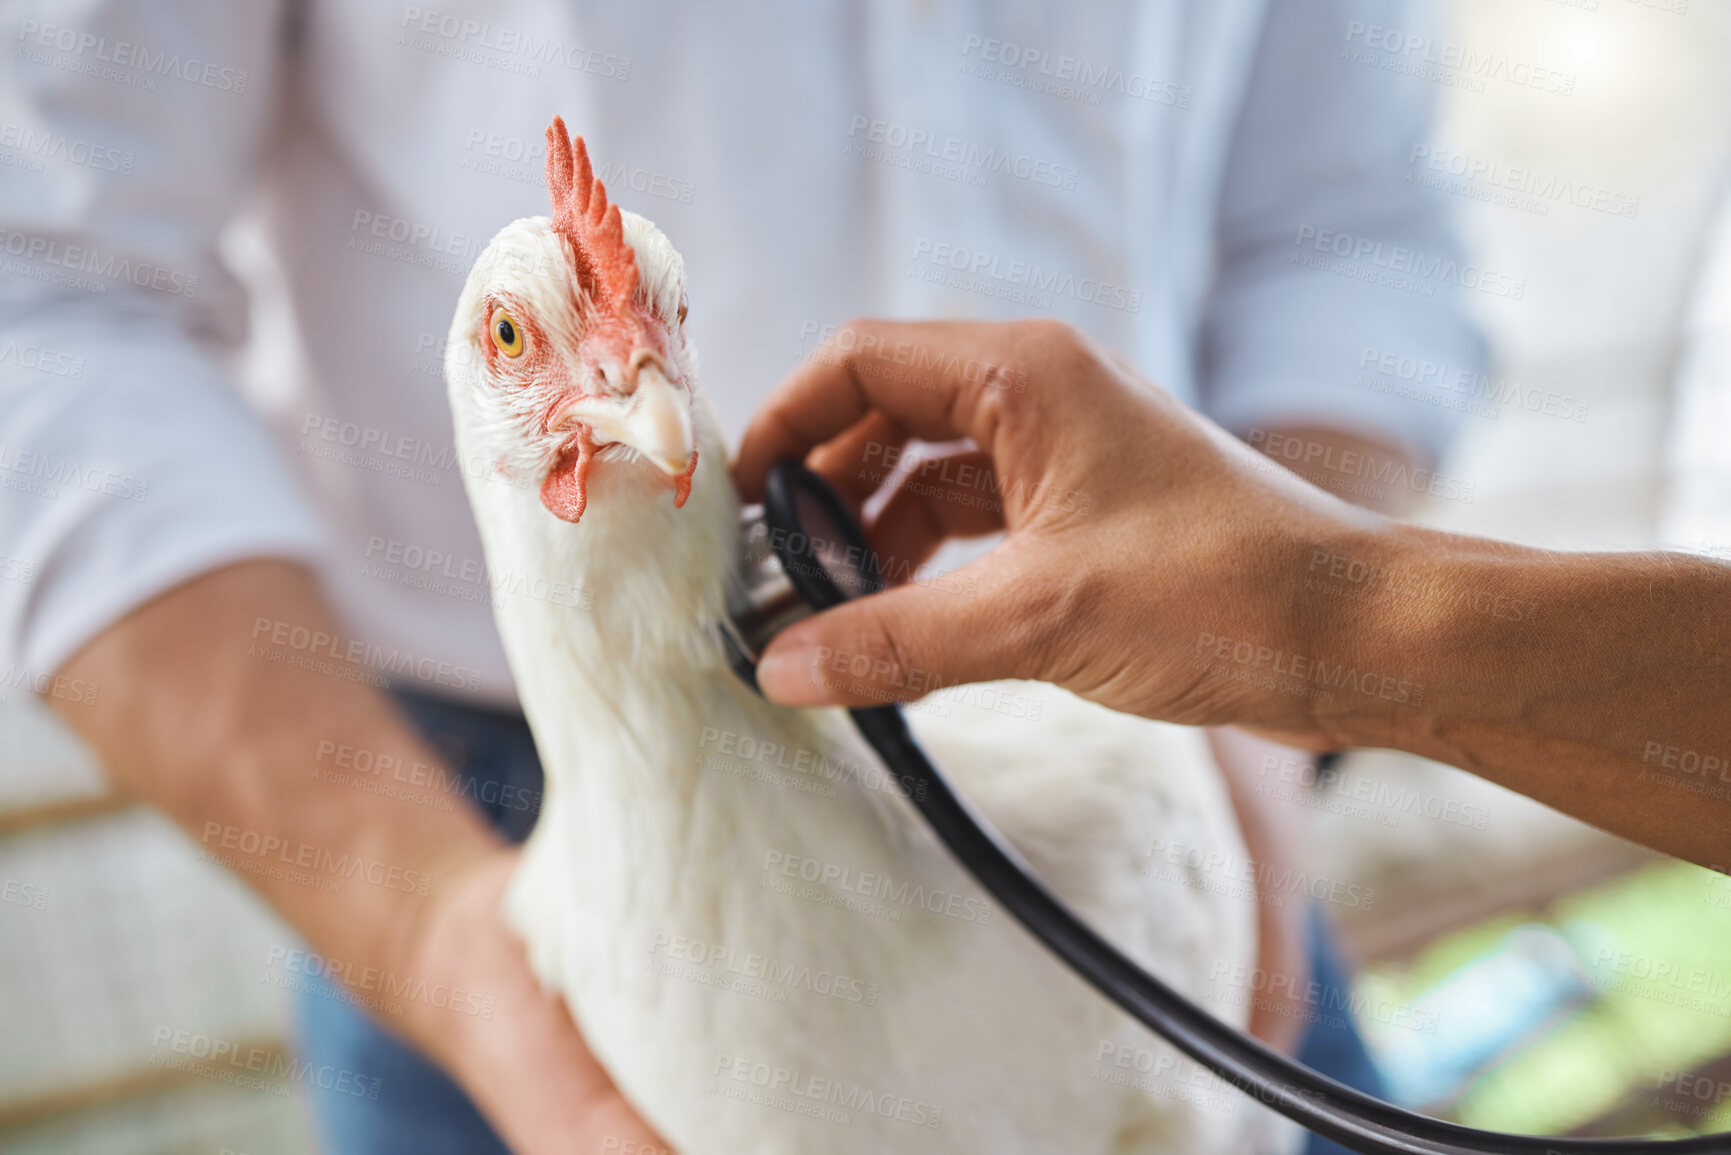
(620, 678)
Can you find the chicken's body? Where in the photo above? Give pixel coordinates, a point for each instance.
(756, 934)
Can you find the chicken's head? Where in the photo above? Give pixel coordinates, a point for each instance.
(567, 357)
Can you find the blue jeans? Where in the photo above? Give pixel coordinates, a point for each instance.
(1332, 1046)
(420, 1111)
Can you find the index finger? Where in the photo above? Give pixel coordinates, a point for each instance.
(936, 378)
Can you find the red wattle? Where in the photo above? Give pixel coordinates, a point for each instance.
(565, 492)
(682, 483)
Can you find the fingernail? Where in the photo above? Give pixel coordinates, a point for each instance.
(785, 676)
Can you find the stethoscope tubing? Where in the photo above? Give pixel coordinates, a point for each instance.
(1328, 1108)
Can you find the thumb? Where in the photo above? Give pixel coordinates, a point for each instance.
(899, 645)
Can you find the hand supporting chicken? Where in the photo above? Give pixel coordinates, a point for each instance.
(753, 930)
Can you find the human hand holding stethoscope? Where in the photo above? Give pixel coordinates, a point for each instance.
(1216, 537)
(1158, 566)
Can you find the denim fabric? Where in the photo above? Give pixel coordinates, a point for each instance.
(1332, 1045)
(419, 1111)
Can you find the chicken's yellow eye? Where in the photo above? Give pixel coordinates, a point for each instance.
(507, 334)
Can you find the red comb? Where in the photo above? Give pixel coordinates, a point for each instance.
(606, 266)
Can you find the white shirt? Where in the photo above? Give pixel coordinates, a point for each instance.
(1695, 510)
(1167, 176)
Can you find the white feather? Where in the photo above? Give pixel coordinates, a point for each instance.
(861, 1020)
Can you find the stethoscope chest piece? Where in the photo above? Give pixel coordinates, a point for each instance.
(802, 551)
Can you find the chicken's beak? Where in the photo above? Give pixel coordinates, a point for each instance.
(654, 419)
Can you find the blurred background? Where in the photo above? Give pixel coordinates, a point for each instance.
(1521, 971)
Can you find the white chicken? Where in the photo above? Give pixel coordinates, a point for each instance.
(755, 933)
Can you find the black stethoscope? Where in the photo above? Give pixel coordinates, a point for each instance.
(806, 553)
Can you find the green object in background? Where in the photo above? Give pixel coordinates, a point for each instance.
(1655, 947)
(1478, 1014)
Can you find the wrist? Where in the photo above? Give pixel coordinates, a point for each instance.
(1369, 630)
(447, 945)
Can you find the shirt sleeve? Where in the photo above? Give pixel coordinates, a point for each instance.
(128, 463)
(1331, 255)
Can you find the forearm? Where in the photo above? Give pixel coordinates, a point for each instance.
(1516, 656)
(1196, 582)
(1276, 847)
(1338, 462)
(213, 728)
(1596, 683)
(201, 716)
